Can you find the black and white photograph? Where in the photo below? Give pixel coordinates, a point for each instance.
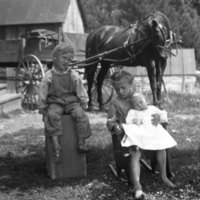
(99, 100)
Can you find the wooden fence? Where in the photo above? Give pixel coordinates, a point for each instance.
(181, 64)
(180, 73)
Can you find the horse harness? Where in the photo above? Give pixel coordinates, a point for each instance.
(165, 47)
(129, 46)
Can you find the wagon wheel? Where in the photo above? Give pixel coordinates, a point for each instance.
(107, 88)
(28, 76)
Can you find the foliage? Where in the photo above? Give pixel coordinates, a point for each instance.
(183, 15)
(100, 13)
(195, 4)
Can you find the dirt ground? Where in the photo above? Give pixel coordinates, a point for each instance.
(15, 121)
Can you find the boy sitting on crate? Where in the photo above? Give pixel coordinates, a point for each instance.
(62, 92)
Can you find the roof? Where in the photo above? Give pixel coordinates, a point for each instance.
(17, 12)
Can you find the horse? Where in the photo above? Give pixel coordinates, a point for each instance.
(145, 43)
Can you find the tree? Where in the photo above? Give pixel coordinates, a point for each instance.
(195, 4)
(100, 13)
(183, 15)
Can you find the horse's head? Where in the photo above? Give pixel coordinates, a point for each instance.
(159, 31)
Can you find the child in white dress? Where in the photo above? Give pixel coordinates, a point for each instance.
(139, 129)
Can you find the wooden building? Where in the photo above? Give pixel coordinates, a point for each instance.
(17, 17)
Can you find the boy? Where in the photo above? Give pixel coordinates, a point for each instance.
(62, 91)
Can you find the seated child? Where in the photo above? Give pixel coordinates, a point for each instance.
(140, 131)
(119, 107)
(62, 92)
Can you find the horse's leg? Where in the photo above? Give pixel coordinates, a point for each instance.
(100, 78)
(160, 68)
(89, 73)
(151, 70)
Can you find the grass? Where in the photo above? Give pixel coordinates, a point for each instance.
(23, 173)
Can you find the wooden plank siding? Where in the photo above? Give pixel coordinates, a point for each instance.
(182, 64)
(16, 32)
(11, 50)
(73, 22)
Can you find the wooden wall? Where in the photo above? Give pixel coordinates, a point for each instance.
(73, 22)
(16, 31)
(181, 64)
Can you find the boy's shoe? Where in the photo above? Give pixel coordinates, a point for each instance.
(82, 148)
(57, 154)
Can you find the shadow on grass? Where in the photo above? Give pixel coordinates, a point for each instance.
(186, 166)
(23, 163)
(26, 171)
(29, 173)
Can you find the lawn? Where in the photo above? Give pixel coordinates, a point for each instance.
(23, 174)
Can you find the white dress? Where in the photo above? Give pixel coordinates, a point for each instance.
(143, 133)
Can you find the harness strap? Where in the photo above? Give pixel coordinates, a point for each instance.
(117, 61)
(133, 29)
(133, 56)
(88, 64)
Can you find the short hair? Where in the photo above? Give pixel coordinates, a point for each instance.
(136, 97)
(120, 76)
(62, 47)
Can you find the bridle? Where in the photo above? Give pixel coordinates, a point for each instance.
(167, 42)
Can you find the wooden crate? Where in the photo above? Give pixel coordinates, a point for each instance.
(73, 164)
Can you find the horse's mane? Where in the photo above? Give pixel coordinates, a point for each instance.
(156, 15)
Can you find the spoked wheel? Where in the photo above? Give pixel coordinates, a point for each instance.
(107, 88)
(28, 76)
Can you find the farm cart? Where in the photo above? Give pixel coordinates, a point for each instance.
(31, 57)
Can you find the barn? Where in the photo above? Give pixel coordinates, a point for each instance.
(19, 17)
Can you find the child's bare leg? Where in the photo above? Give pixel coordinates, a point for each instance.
(56, 146)
(161, 158)
(135, 172)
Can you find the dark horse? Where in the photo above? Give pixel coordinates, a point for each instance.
(145, 43)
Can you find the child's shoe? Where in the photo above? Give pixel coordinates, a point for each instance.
(57, 154)
(82, 147)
